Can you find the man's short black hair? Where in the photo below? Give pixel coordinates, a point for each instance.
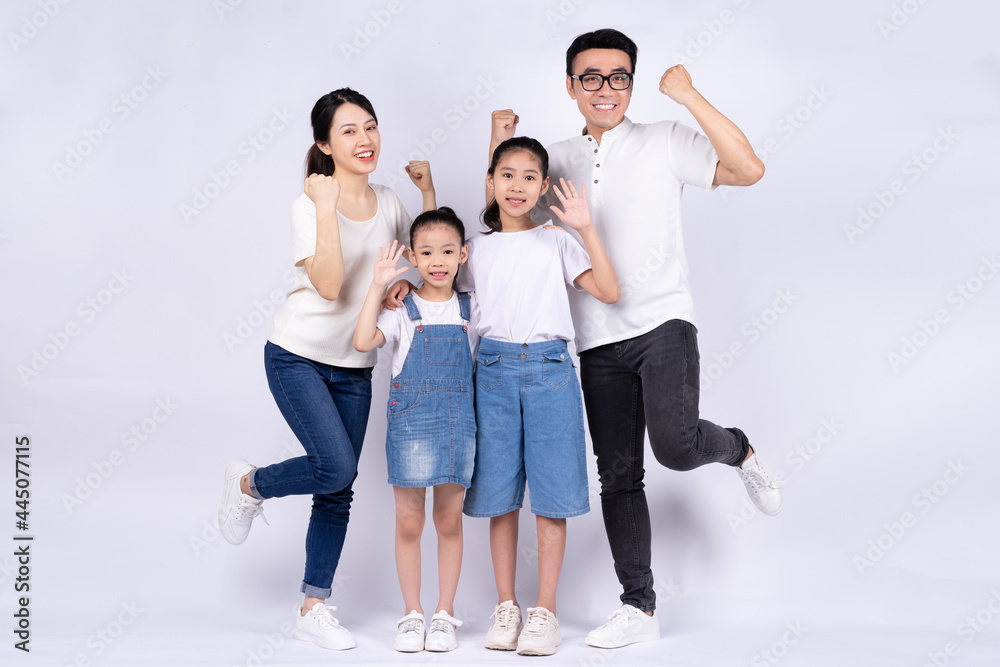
(606, 38)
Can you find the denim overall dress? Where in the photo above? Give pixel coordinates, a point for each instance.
(431, 415)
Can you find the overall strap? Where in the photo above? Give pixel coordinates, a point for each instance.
(465, 305)
(412, 311)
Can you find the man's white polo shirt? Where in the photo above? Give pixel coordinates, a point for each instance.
(634, 179)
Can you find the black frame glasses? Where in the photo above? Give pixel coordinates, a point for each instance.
(605, 78)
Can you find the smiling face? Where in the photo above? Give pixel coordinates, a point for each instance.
(354, 140)
(605, 108)
(517, 183)
(437, 253)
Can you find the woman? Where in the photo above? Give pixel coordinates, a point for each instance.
(321, 384)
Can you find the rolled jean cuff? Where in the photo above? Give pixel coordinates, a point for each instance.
(648, 608)
(252, 483)
(315, 592)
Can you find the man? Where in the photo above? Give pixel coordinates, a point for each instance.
(639, 357)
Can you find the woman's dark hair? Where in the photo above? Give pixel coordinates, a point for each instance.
(606, 38)
(318, 162)
(440, 216)
(491, 215)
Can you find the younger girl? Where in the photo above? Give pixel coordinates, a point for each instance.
(432, 429)
(529, 411)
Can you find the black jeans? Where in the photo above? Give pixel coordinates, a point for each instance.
(647, 380)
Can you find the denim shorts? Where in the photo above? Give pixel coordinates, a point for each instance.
(529, 429)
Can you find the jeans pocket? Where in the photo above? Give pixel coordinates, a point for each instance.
(556, 367)
(443, 351)
(489, 373)
(402, 402)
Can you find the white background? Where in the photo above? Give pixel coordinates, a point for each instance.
(846, 105)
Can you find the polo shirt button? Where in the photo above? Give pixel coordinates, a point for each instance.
(595, 180)
(595, 150)
(598, 164)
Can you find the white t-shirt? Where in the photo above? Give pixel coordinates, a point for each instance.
(396, 326)
(520, 280)
(307, 324)
(634, 179)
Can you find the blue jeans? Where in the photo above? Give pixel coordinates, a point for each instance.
(327, 408)
(650, 380)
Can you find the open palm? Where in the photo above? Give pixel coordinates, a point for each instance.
(385, 264)
(576, 211)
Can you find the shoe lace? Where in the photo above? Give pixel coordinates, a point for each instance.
(758, 477)
(618, 619)
(410, 625)
(502, 614)
(538, 621)
(247, 509)
(441, 625)
(324, 615)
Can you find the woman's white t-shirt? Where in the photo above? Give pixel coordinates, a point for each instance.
(520, 281)
(396, 326)
(307, 324)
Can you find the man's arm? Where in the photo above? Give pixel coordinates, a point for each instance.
(738, 165)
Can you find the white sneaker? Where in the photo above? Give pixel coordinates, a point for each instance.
(321, 628)
(442, 634)
(764, 491)
(503, 633)
(237, 510)
(626, 625)
(540, 635)
(410, 633)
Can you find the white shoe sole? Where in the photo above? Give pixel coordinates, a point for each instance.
(545, 650)
(236, 469)
(597, 643)
(498, 646)
(319, 641)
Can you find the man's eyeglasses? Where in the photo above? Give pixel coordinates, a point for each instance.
(592, 82)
